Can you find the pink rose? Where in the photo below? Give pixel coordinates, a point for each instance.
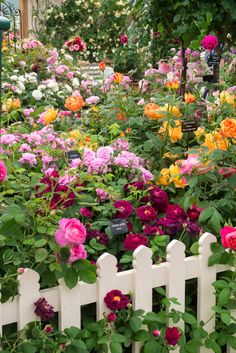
(3, 171)
(228, 237)
(71, 232)
(77, 252)
(164, 68)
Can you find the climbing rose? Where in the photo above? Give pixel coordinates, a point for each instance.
(3, 171)
(71, 232)
(210, 42)
(116, 300)
(43, 309)
(172, 335)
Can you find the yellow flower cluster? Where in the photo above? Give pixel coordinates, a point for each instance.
(171, 175)
(227, 97)
(175, 132)
(83, 141)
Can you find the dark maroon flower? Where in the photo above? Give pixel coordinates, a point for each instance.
(130, 226)
(146, 213)
(102, 238)
(175, 212)
(152, 230)
(116, 300)
(132, 241)
(159, 199)
(111, 317)
(85, 212)
(43, 309)
(172, 335)
(193, 229)
(171, 226)
(124, 209)
(145, 199)
(138, 185)
(193, 213)
(124, 39)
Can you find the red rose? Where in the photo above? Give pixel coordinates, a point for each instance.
(228, 237)
(124, 208)
(146, 213)
(116, 300)
(132, 241)
(172, 335)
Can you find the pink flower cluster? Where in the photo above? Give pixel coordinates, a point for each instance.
(76, 44)
(72, 233)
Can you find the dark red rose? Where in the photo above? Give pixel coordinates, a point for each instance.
(115, 300)
(193, 229)
(132, 241)
(193, 213)
(102, 238)
(172, 335)
(146, 213)
(152, 230)
(124, 208)
(43, 309)
(175, 212)
(138, 185)
(159, 199)
(85, 212)
(124, 39)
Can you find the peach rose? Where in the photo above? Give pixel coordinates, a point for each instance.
(152, 111)
(215, 140)
(189, 98)
(50, 115)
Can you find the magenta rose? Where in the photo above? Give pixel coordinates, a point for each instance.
(146, 213)
(71, 232)
(77, 252)
(209, 42)
(124, 208)
(44, 310)
(85, 212)
(172, 335)
(3, 171)
(132, 241)
(193, 213)
(124, 39)
(228, 237)
(116, 300)
(152, 230)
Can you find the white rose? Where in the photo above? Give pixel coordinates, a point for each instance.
(37, 94)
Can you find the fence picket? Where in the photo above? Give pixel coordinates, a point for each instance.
(107, 281)
(70, 309)
(28, 295)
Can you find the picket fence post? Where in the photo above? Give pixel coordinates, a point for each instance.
(69, 303)
(28, 290)
(106, 281)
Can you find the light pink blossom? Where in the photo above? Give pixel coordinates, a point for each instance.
(71, 232)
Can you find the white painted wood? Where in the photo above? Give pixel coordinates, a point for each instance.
(28, 295)
(140, 281)
(70, 309)
(205, 296)
(107, 281)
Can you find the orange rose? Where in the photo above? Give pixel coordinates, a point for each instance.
(189, 98)
(228, 127)
(215, 140)
(50, 115)
(151, 111)
(74, 103)
(164, 177)
(174, 84)
(117, 77)
(11, 104)
(102, 66)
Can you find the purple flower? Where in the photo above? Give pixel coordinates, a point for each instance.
(152, 230)
(85, 212)
(132, 241)
(116, 300)
(43, 309)
(138, 185)
(170, 225)
(193, 213)
(124, 208)
(101, 238)
(193, 229)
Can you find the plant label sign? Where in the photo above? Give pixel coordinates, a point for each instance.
(188, 126)
(73, 155)
(118, 226)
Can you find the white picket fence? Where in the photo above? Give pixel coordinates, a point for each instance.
(140, 281)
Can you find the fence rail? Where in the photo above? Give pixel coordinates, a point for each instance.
(140, 281)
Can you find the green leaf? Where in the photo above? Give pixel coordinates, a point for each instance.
(41, 255)
(142, 336)
(71, 278)
(151, 346)
(88, 276)
(194, 248)
(79, 344)
(27, 347)
(64, 254)
(189, 319)
(205, 214)
(135, 323)
(193, 345)
(226, 318)
(220, 284)
(224, 296)
(118, 338)
(212, 345)
(231, 340)
(115, 347)
(40, 243)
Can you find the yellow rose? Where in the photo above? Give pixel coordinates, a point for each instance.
(164, 177)
(226, 97)
(199, 132)
(50, 115)
(175, 133)
(174, 109)
(175, 177)
(215, 140)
